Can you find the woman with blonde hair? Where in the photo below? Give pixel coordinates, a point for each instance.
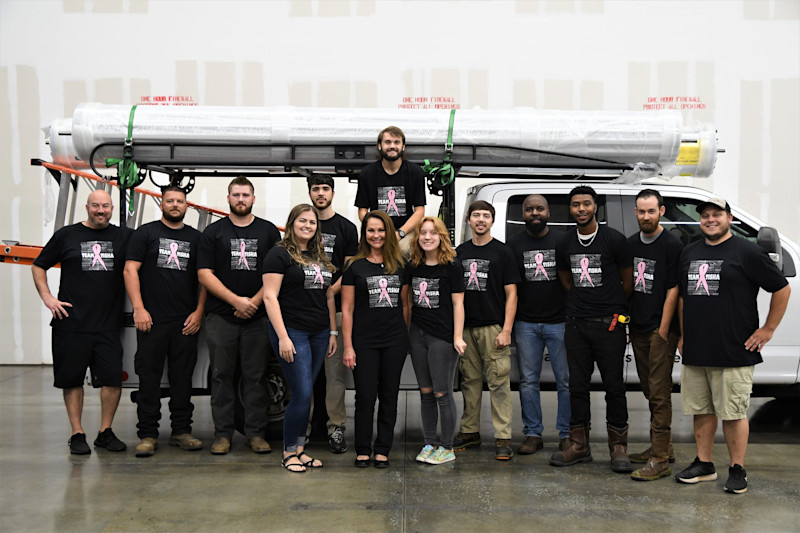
(375, 333)
(302, 322)
(436, 335)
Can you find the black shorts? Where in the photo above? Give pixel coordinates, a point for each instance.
(74, 352)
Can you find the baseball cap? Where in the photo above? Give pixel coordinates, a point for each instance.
(716, 202)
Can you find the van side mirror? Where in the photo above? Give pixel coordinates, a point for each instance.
(769, 240)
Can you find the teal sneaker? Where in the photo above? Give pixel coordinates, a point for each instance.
(441, 456)
(426, 452)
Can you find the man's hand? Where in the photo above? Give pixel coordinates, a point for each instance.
(663, 332)
(244, 308)
(142, 320)
(502, 340)
(56, 307)
(759, 339)
(192, 323)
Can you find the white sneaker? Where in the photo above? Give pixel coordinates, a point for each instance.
(441, 456)
(426, 452)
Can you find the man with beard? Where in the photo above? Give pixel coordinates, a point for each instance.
(490, 301)
(654, 329)
(720, 277)
(595, 267)
(394, 185)
(340, 239)
(87, 315)
(161, 281)
(229, 266)
(539, 322)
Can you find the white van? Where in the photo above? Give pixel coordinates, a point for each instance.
(778, 375)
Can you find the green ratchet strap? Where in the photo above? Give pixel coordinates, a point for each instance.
(445, 172)
(127, 171)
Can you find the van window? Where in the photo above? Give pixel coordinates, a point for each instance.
(683, 221)
(560, 219)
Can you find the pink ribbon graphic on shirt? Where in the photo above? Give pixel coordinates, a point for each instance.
(473, 274)
(540, 267)
(96, 249)
(173, 254)
(391, 194)
(702, 279)
(640, 266)
(585, 270)
(423, 286)
(383, 282)
(242, 257)
(317, 275)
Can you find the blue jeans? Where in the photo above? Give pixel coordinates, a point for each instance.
(311, 347)
(531, 340)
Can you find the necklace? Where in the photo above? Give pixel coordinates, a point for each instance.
(587, 240)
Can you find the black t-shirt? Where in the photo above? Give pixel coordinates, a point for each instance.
(487, 271)
(378, 312)
(596, 289)
(432, 289)
(92, 262)
(340, 239)
(397, 194)
(235, 254)
(541, 298)
(655, 271)
(719, 285)
(303, 293)
(168, 275)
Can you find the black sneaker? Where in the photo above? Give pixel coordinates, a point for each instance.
(737, 480)
(106, 439)
(77, 445)
(466, 440)
(697, 471)
(336, 443)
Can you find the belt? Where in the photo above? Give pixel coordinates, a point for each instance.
(602, 319)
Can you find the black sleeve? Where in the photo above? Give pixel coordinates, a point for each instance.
(276, 261)
(510, 270)
(674, 250)
(417, 185)
(363, 199)
(621, 250)
(456, 275)
(350, 240)
(763, 270)
(137, 245)
(349, 277)
(51, 253)
(562, 261)
(206, 253)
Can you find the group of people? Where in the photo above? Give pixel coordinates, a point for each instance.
(402, 288)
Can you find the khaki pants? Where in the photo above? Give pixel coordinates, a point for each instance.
(335, 373)
(481, 356)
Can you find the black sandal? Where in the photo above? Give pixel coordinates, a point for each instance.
(289, 467)
(310, 462)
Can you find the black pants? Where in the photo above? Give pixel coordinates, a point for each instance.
(246, 343)
(589, 342)
(165, 342)
(377, 375)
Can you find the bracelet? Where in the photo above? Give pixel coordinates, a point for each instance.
(334, 333)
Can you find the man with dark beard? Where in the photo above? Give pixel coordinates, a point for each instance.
(393, 185)
(594, 265)
(539, 322)
(654, 328)
(161, 280)
(229, 266)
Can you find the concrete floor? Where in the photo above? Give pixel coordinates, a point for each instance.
(44, 488)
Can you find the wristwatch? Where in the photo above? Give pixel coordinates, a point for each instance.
(401, 233)
(335, 333)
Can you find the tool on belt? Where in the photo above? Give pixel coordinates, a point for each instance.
(622, 319)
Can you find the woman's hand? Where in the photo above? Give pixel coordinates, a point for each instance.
(349, 358)
(286, 350)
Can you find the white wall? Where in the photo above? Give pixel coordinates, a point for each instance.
(740, 58)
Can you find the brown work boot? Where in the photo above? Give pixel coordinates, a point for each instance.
(221, 446)
(643, 457)
(186, 442)
(618, 448)
(653, 470)
(463, 441)
(147, 447)
(259, 445)
(502, 450)
(563, 444)
(530, 445)
(577, 451)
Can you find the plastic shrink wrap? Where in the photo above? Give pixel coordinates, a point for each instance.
(224, 136)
